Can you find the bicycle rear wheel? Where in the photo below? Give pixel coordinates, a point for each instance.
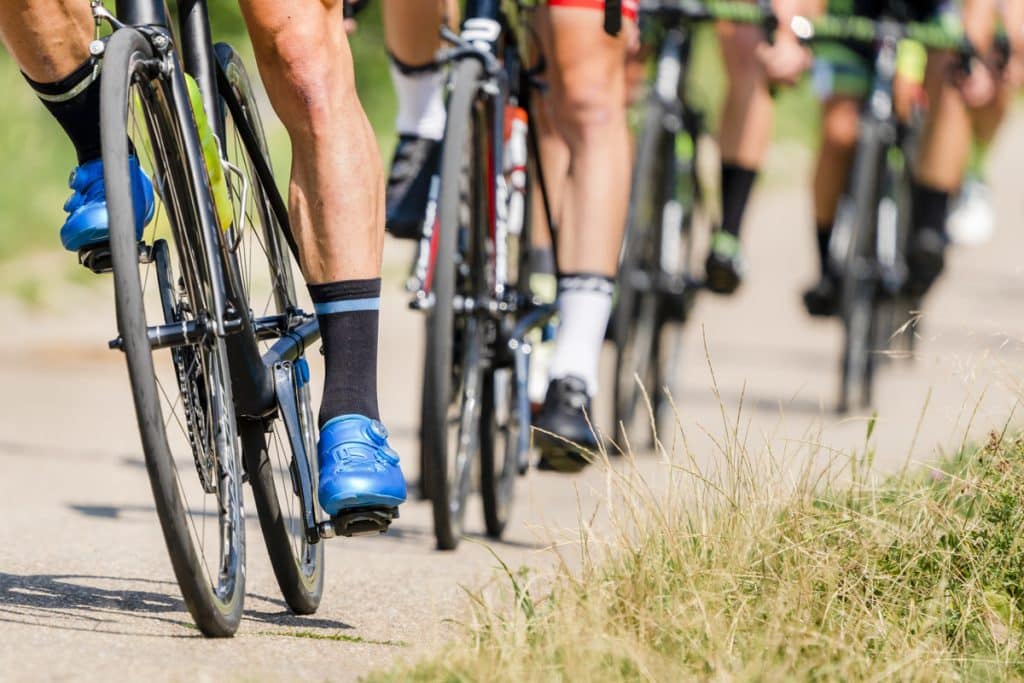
(636, 319)
(453, 371)
(653, 294)
(263, 267)
(860, 273)
(182, 395)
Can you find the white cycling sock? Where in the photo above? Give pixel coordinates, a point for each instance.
(584, 307)
(420, 103)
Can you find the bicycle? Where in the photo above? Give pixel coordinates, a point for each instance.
(471, 278)
(207, 315)
(657, 287)
(872, 227)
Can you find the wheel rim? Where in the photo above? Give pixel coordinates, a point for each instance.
(463, 436)
(192, 381)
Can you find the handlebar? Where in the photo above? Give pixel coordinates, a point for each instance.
(932, 35)
(693, 11)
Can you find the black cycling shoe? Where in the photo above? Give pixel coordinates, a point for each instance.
(926, 258)
(822, 300)
(415, 162)
(562, 432)
(724, 268)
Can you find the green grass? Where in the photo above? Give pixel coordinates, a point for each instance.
(337, 637)
(723, 576)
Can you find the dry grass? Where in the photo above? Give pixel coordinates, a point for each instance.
(739, 574)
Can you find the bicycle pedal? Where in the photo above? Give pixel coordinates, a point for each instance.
(96, 258)
(363, 521)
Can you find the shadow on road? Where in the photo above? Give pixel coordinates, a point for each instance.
(79, 602)
(67, 600)
(765, 403)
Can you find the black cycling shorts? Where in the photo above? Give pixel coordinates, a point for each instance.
(846, 69)
(903, 10)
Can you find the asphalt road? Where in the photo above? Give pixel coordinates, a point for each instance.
(86, 591)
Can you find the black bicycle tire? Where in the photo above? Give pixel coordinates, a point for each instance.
(859, 288)
(497, 488)
(215, 618)
(441, 318)
(626, 326)
(301, 592)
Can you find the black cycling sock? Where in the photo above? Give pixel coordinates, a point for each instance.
(930, 208)
(75, 102)
(737, 183)
(349, 314)
(824, 235)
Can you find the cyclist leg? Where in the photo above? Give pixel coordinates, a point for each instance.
(554, 159)
(972, 216)
(943, 158)
(745, 132)
(337, 216)
(586, 104)
(49, 40)
(746, 129)
(841, 77)
(411, 34)
(840, 122)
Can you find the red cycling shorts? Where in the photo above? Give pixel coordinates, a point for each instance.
(629, 7)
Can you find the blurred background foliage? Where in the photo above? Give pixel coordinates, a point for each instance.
(38, 158)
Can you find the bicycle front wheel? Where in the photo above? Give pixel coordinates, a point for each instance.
(638, 313)
(453, 373)
(860, 272)
(182, 392)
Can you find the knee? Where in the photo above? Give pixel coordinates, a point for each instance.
(306, 63)
(739, 53)
(841, 127)
(588, 112)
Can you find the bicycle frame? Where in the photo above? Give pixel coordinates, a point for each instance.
(668, 95)
(485, 36)
(879, 114)
(263, 386)
(251, 375)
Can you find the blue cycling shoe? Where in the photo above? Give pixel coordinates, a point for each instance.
(87, 222)
(358, 469)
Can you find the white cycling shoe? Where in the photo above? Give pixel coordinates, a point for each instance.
(972, 219)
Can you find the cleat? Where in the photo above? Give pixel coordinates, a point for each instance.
(561, 431)
(87, 224)
(358, 469)
(972, 220)
(558, 456)
(926, 258)
(96, 258)
(368, 521)
(822, 300)
(415, 162)
(724, 266)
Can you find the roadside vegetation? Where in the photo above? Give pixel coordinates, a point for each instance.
(740, 575)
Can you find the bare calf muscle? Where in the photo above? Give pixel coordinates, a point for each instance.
(336, 193)
(47, 38)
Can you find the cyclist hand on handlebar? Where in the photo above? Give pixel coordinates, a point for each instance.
(979, 86)
(785, 61)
